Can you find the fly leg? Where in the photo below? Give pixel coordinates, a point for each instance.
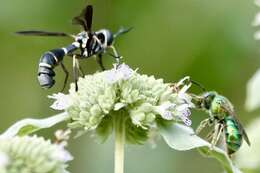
(78, 56)
(75, 71)
(99, 57)
(100, 62)
(81, 71)
(116, 55)
(66, 75)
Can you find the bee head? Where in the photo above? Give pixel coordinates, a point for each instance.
(208, 97)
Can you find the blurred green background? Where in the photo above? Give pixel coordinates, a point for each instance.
(211, 41)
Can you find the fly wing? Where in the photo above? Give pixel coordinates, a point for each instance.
(85, 18)
(88, 16)
(78, 21)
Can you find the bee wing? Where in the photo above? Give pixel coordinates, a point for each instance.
(241, 128)
(242, 131)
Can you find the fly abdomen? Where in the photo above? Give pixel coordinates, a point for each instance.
(233, 135)
(48, 62)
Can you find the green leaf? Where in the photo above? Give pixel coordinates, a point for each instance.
(28, 126)
(105, 128)
(180, 137)
(135, 134)
(253, 94)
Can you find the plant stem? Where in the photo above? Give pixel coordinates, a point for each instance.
(119, 125)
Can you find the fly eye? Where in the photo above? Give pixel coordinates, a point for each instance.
(101, 37)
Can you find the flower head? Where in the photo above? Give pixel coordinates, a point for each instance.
(183, 111)
(165, 110)
(4, 161)
(32, 154)
(121, 72)
(142, 98)
(62, 101)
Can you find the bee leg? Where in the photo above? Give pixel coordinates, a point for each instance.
(210, 135)
(116, 55)
(201, 126)
(216, 135)
(66, 75)
(75, 72)
(100, 62)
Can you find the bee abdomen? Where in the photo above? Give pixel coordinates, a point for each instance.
(233, 135)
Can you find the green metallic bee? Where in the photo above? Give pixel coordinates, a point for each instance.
(222, 116)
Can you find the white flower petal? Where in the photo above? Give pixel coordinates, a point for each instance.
(121, 72)
(167, 115)
(125, 71)
(186, 121)
(182, 81)
(256, 21)
(62, 155)
(257, 35)
(119, 106)
(257, 2)
(184, 110)
(253, 95)
(111, 76)
(61, 102)
(165, 110)
(4, 160)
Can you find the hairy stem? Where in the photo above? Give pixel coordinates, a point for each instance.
(119, 126)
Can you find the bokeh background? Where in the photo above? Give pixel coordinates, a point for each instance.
(211, 41)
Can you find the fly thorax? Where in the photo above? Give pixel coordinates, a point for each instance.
(82, 38)
(105, 36)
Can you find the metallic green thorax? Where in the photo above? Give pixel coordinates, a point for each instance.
(233, 135)
(219, 106)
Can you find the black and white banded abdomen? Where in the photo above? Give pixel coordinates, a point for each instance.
(48, 62)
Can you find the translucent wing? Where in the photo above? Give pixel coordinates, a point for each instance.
(231, 112)
(43, 33)
(241, 128)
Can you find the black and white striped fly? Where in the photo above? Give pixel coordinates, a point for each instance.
(89, 43)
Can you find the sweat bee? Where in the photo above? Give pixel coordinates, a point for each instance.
(222, 116)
